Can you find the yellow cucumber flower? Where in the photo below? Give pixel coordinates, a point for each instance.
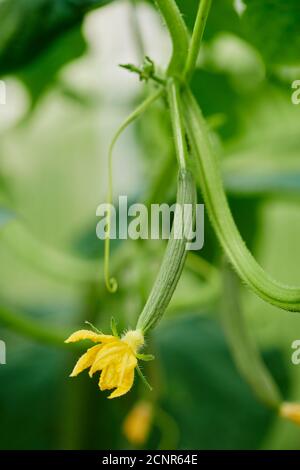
(114, 357)
(291, 411)
(137, 424)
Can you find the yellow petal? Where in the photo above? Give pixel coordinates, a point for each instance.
(87, 334)
(125, 386)
(116, 373)
(128, 363)
(108, 378)
(86, 360)
(110, 353)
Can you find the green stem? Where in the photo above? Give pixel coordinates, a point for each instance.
(210, 182)
(202, 15)
(243, 348)
(177, 123)
(179, 35)
(143, 379)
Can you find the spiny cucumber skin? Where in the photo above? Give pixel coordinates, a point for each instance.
(173, 261)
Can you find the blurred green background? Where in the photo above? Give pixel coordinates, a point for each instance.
(65, 96)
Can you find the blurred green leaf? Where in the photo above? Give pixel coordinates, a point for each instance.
(204, 393)
(29, 377)
(273, 27)
(38, 75)
(59, 412)
(258, 183)
(222, 17)
(5, 216)
(221, 100)
(28, 27)
(264, 157)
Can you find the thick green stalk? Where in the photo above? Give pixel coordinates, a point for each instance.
(242, 346)
(179, 35)
(203, 11)
(210, 182)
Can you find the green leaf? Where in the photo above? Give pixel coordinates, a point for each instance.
(28, 27)
(204, 394)
(272, 26)
(222, 16)
(264, 158)
(66, 415)
(262, 183)
(42, 73)
(223, 101)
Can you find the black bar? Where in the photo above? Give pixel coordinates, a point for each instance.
(136, 459)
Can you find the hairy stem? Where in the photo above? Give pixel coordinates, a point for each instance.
(203, 11)
(179, 35)
(177, 123)
(174, 258)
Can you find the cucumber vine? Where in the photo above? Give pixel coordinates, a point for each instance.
(198, 161)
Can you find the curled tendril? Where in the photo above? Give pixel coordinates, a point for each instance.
(110, 282)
